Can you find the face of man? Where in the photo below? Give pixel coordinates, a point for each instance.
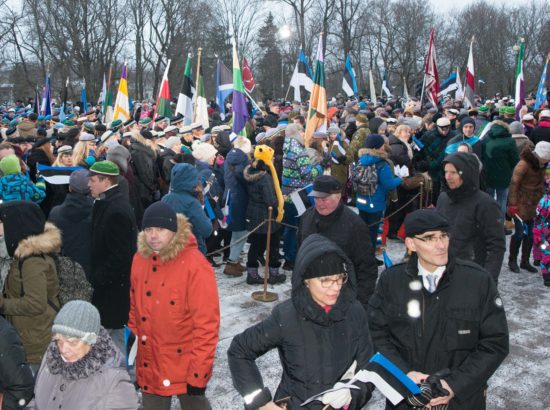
(325, 206)
(468, 130)
(98, 185)
(443, 130)
(432, 248)
(453, 178)
(158, 238)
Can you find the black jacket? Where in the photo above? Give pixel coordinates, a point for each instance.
(16, 379)
(74, 219)
(315, 348)
(345, 228)
(462, 326)
(114, 241)
(540, 133)
(143, 164)
(261, 195)
(477, 226)
(399, 152)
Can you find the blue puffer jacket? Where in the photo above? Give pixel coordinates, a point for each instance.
(184, 178)
(386, 182)
(17, 187)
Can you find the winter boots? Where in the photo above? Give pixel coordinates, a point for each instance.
(525, 253)
(275, 277)
(513, 256)
(252, 277)
(234, 269)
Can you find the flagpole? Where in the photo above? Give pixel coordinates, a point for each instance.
(199, 56)
(254, 102)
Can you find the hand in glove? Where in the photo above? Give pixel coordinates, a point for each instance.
(342, 397)
(512, 210)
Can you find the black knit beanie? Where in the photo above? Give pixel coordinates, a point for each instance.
(160, 215)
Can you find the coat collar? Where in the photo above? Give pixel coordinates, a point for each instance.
(47, 242)
(178, 243)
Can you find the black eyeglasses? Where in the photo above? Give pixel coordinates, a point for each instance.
(328, 281)
(433, 239)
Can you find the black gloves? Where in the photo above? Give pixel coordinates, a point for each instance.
(431, 388)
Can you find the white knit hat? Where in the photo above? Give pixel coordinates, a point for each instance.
(542, 149)
(203, 151)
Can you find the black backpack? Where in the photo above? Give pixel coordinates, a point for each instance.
(73, 284)
(365, 178)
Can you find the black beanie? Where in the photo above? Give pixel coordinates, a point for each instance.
(467, 120)
(326, 265)
(160, 215)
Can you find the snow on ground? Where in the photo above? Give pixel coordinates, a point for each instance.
(521, 382)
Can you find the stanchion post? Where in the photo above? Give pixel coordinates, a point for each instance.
(266, 296)
(421, 195)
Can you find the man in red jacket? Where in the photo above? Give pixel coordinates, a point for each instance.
(174, 312)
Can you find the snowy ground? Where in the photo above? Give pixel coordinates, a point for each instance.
(522, 382)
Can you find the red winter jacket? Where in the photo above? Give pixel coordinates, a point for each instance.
(174, 313)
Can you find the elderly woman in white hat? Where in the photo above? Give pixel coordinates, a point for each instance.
(82, 368)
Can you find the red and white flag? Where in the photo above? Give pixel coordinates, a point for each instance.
(469, 89)
(248, 80)
(431, 77)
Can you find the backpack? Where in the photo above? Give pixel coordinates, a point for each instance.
(73, 284)
(365, 178)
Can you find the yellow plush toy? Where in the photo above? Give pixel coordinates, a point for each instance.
(266, 154)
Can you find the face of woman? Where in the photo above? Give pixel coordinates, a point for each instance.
(66, 160)
(326, 289)
(71, 349)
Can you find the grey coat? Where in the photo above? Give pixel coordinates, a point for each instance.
(98, 381)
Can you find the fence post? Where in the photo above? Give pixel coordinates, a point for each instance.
(266, 296)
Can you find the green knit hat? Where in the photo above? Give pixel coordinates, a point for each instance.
(10, 165)
(115, 124)
(483, 108)
(145, 121)
(104, 168)
(509, 110)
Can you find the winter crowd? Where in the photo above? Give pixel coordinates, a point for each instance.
(111, 233)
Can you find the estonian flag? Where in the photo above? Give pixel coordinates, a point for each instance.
(56, 175)
(301, 77)
(224, 85)
(301, 200)
(349, 84)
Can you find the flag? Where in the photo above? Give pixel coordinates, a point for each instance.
(62, 115)
(520, 96)
(224, 85)
(46, 108)
(109, 108)
(201, 104)
(386, 84)
(301, 199)
(122, 105)
(56, 175)
(469, 90)
(459, 95)
(431, 77)
(387, 261)
(185, 98)
(36, 108)
(162, 107)
(449, 85)
(103, 93)
(248, 80)
(349, 84)
(83, 97)
(405, 91)
(372, 89)
(301, 77)
(240, 110)
(541, 91)
(317, 111)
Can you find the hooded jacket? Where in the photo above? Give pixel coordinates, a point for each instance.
(500, 155)
(174, 314)
(182, 198)
(477, 230)
(143, 163)
(98, 381)
(261, 195)
(235, 186)
(32, 287)
(316, 348)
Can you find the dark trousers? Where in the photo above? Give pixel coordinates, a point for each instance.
(258, 242)
(214, 242)
(154, 402)
(290, 235)
(396, 219)
(373, 221)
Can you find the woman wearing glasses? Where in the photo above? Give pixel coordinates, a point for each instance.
(320, 333)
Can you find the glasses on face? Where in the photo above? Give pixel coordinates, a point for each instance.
(433, 239)
(328, 281)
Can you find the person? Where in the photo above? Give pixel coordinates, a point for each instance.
(16, 379)
(174, 312)
(542, 131)
(114, 235)
(541, 234)
(439, 312)
(477, 226)
(30, 298)
(74, 218)
(143, 163)
(14, 186)
(335, 221)
(521, 140)
(526, 190)
(64, 157)
(82, 368)
(320, 333)
(468, 126)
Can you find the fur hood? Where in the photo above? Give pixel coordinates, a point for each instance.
(374, 153)
(46, 242)
(251, 174)
(179, 242)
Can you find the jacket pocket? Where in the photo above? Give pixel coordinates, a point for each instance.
(462, 328)
(173, 365)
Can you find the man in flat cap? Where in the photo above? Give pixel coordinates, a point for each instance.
(439, 316)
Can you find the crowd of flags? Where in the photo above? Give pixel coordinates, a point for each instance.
(239, 83)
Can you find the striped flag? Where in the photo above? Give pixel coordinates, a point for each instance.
(469, 91)
(248, 80)
(301, 199)
(431, 77)
(162, 107)
(56, 175)
(372, 88)
(185, 98)
(201, 104)
(240, 110)
(459, 95)
(122, 105)
(83, 98)
(46, 108)
(386, 84)
(317, 112)
(36, 107)
(541, 91)
(349, 84)
(520, 95)
(224, 85)
(301, 77)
